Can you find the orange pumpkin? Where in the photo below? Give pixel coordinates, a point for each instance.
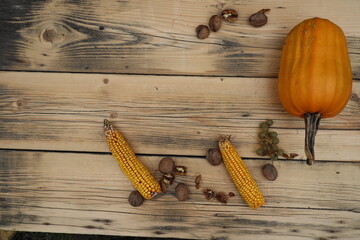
(315, 77)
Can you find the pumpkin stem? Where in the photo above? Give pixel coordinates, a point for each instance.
(312, 122)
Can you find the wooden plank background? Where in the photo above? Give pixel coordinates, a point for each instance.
(159, 114)
(67, 65)
(82, 193)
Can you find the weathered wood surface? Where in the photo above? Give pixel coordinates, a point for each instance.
(46, 116)
(82, 193)
(159, 114)
(158, 37)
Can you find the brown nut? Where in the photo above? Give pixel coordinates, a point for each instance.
(198, 181)
(231, 194)
(181, 192)
(166, 165)
(215, 23)
(214, 156)
(135, 199)
(259, 19)
(209, 194)
(202, 31)
(180, 170)
(269, 172)
(229, 15)
(168, 178)
(222, 197)
(163, 185)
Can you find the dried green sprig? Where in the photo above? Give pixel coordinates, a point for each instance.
(268, 141)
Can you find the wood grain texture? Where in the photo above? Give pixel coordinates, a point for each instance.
(87, 193)
(159, 114)
(158, 37)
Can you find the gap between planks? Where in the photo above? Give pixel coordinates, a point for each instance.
(145, 74)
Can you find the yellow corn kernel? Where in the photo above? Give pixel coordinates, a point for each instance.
(240, 175)
(136, 172)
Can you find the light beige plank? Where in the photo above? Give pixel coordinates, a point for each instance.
(158, 37)
(87, 193)
(159, 115)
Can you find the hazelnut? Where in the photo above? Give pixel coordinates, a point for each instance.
(202, 31)
(181, 192)
(180, 170)
(259, 19)
(229, 15)
(136, 199)
(214, 156)
(269, 172)
(231, 194)
(215, 23)
(166, 165)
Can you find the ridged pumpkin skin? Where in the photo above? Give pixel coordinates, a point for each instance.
(315, 73)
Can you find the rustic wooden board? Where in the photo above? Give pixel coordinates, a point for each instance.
(158, 37)
(83, 193)
(159, 114)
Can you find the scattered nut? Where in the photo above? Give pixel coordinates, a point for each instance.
(259, 19)
(209, 194)
(269, 172)
(229, 15)
(231, 194)
(136, 199)
(214, 156)
(163, 185)
(198, 181)
(180, 170)
(292, 155)
(202, 31)
(221, 197)
(166, 165)
(181, 192)
(215, 23)
(168, 178)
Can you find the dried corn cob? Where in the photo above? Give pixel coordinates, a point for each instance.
(240, 175)
(137, 173)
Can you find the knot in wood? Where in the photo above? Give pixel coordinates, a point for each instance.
(52, 35)
(354, 97)
(20, 103)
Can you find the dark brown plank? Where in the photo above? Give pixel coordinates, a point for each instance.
(157, 37)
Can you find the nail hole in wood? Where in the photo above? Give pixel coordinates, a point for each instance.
(113, 115)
